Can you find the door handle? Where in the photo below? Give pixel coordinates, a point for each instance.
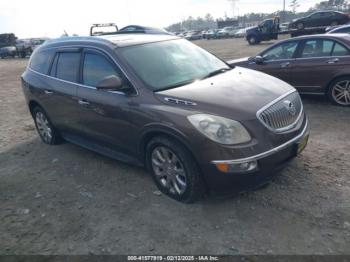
(333, 61)
(284, 65)
(48, 92)
(83, 102)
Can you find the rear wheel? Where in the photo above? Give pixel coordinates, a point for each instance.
(174, 170)
(339, 91)
(47, 132)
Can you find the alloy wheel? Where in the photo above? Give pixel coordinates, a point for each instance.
(44, 127)
(341, 92)
(169, 170)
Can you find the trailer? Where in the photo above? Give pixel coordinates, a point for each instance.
(269, 29)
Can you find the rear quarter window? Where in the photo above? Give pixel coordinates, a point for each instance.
(41, 61)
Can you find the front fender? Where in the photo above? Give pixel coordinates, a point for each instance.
(158, 129)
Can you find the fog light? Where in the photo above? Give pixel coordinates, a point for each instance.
(237, 167)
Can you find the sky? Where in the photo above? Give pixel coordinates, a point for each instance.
(49, 18)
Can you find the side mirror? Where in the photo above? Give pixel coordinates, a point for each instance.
(259, 60)
(110, 83)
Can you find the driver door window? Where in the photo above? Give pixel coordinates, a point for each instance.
(281, 52)
(96, 68)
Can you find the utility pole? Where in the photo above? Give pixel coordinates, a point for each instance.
(233, 6)
(284, 11)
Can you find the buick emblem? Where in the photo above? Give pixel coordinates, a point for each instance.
(290, 107)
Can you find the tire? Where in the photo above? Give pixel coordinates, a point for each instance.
(300, 26)
(171, 163)
(23, 54)
(47, 132)
(252, 40)
(339, 91)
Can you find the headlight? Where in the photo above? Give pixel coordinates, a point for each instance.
(219, 129)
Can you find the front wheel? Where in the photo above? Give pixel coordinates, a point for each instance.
(339, 91)
(47, 132)
(252, 40)
(174, 170)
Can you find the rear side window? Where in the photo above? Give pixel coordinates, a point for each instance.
(339, 50)
(96, 68)
(317, 48)
(41, 60)
(67, 67)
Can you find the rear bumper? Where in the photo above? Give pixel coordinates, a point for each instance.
(269, 164)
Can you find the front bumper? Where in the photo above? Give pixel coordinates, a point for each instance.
(269, 163)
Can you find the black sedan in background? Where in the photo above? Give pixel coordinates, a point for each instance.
(323, 18)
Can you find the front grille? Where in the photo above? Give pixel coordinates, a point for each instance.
(283, 114)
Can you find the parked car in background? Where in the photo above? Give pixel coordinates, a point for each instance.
(194, 35)
(241, 33)
(36, 42)
(25, 47)
(284, 27)
(142, 30)
(226, 32)
(162, 102)
(322, 18)
(212, 34)
(8, 51)
(340, 29)
(317, 64)
(8, 45)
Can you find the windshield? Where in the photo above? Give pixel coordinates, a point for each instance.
(169, 64)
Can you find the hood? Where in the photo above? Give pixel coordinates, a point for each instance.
(251, 29)
(297, 19)
(237, 94)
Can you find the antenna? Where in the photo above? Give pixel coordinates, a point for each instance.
(233, 6)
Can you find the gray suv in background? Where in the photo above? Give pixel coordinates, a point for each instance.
(164, 103)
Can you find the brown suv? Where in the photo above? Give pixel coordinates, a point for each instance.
(164, 103)
(318, 64)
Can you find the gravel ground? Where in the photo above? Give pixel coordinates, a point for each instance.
(68, 200)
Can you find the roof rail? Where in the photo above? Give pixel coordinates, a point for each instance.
(79, 38)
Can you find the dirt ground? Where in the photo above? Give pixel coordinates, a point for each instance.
(68, 200)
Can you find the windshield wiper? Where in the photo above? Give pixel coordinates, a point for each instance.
(217, 72)
(175, 86)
